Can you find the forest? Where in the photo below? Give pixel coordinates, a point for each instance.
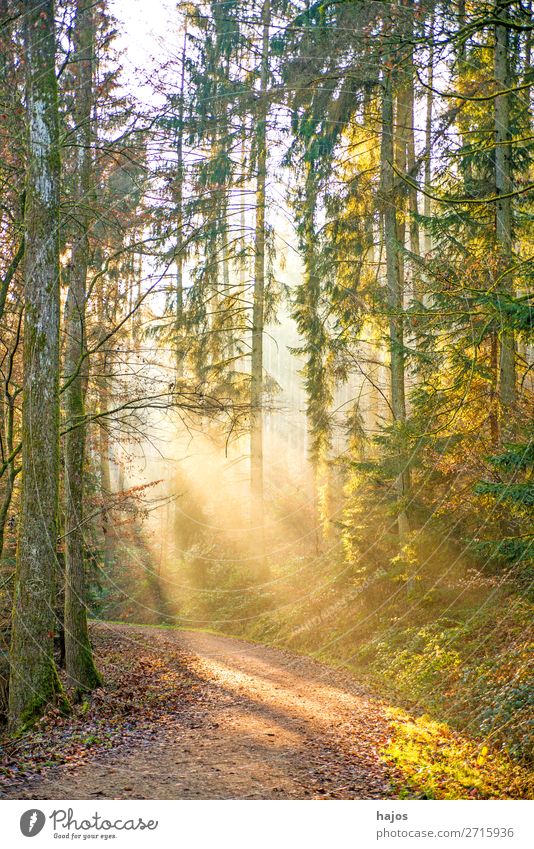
(266, 368)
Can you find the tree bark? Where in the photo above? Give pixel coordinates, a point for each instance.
(12, 470)
(33, 676)
(8, 423)
(409, 132)
(81, 671)
(179, 306)
(427, 209)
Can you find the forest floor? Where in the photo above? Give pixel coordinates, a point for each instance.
(194, 715)
(190, 715)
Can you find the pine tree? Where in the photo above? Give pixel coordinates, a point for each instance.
(395, 294)
(258, 307)
(503, 191)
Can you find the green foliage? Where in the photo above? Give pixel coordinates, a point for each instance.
(521, 493)
(518, 497)
(436, 763)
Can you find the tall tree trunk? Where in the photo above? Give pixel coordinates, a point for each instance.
(427, 209)
(503, 209)
(409, 132)
(394, 287)
(12, 131)
(315, 379)
(225, 320)
(493, 418)
(103, 383)
(33, 676)
(105, 473)
(179, 306)
(528, 46)
(239, 296)
(81, 671)
(399, 134)
(256, 393)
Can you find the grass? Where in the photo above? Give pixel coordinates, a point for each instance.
(435, 762)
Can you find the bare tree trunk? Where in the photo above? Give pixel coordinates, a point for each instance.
(256, 393)
(11, 471)
(104, 379)
(394, 287)
(8, 416)
(105, 478)
(81, 671)
(494, 420)
(503, 209)
(33, 676)
(12, 131)
(7, 406)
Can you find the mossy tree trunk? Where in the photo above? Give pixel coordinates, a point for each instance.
(33, 676)
(81, 671)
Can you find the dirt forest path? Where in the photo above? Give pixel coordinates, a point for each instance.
(269, 725)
